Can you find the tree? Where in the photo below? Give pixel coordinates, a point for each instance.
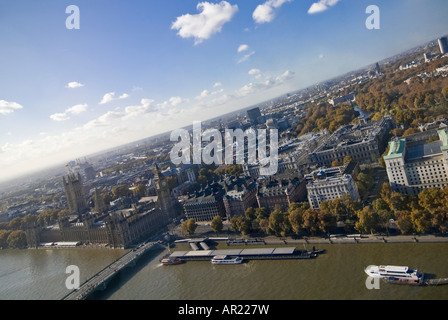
(367, 220)
(120, 191)
(241, 224)
(189, 226)
(278, 222)
(310, 221)
(403, 221)
(261, 213)
(216, 224)
(336, 163)
(327, 221)
(250, 214)
(347, 159)
(17, 239)
(3, 238)
(140, 190)
(296, 219)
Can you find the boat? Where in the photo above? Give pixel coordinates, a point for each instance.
(171, 261)
(226, 260)
(394, 274)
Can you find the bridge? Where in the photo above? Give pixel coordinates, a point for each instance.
(100, 280)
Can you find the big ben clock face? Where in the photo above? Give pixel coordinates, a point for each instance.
(163, 183)
(157, 185)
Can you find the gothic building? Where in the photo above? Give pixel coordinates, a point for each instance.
(166, 203)
(76, 200)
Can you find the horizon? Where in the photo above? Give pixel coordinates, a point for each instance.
(132, 72)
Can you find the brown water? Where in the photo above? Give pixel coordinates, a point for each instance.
(336, 274)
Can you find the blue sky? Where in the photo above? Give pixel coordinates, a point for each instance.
(138, 68)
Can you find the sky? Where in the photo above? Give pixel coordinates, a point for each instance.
(109, 72)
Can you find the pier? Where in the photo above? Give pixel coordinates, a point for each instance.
(246, 254)
(100, 280)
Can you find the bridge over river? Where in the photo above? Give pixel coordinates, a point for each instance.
(100, 280)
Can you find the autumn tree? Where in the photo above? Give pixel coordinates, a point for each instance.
(217, 224)
(189, 226)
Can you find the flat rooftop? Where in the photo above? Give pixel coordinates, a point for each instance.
(423, 150)
(234, 252)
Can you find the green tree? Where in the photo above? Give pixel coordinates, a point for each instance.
(217, 224)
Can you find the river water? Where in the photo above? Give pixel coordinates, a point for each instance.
(336, 274)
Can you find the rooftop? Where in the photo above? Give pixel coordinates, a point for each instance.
(423, 150)
(396, 149)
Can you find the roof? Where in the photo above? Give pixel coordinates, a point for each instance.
(424, 150)
(444, 139)
(396, 149)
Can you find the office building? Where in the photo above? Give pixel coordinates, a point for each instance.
(414, 165)
(253, 115)
(443, 45)
(332, 183)
(363, 143)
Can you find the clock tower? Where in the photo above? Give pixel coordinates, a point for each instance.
(164, 199)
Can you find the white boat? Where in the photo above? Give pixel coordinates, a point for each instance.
(398, 273)
(226, 260)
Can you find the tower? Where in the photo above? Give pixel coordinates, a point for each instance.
(443, 45)
(163, 193)
(75, 196)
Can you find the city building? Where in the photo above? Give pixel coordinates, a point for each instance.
(74, 192)
(165, 201)
(414, 165)
(443, 45)
(241, 194)
(253, 115)
(332, 183)
(342, 99)
(363, 143)
(280, 191)
(206, 203)
(118, 229)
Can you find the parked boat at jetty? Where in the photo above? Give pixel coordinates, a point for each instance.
(395, 274)
(226, 260)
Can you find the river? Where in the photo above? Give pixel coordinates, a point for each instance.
(336, 274)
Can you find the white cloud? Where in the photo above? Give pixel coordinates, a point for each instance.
(59, 117)
(246, 57)
(321, 6)
(108, 97)
(79, 108)
(74, 84)
(9, 107)
(209, 21)
(252, 87)
(217, 84)
(205, 93)
(254, 71)
(243, 47)
(266, 12)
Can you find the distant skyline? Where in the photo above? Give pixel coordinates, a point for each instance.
(136, 69)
